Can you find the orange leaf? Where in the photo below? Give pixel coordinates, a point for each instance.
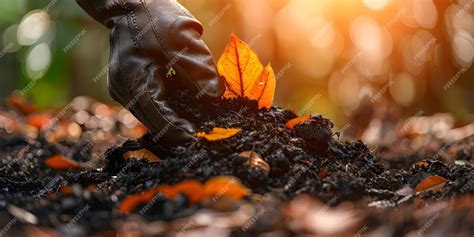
(65, 190)
(168, 191)
(131, 202)
(292, 123)
(431, 183)
(245, 75)
(219, 134)
(142, 154)
(225, 186)
(263, 89)
(193, 190)
(323, 173)
(138, 131)
(422, 163)
(240, 66)
(19, 102)
(38, 120)
(59, 162)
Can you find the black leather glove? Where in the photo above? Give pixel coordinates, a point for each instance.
(153, 42)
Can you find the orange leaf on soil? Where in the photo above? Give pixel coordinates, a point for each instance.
(20, 103)
(168, 191)
(193, 190)
(263, 89)
(323, 173)
(225, 186)
(245, 75)
(422, 163)
(66, 190)
(292, 123)
(59, 162)
(138, 131)
(38, 120)
(219, 134)
(431, 183)
(131, 202)
(142, 154)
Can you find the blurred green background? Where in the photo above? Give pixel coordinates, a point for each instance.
(328, 54)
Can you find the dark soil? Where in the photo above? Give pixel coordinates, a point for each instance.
(311, 159)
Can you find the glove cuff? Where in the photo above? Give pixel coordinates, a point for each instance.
(104, 10)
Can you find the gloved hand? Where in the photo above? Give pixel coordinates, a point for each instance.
(153, 42)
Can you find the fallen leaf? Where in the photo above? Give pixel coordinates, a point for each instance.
(59, 162)
(142, 154)
(138, 131)
(132, 201)
(66, 190)
(422, 163)
(245, 75)
(432, 183)
(38, 120)
(19, 102)
(91, 187)
(323, 173)
(167, 191)
(227, 186)
(292, 123)
(263, 89)
(219, 134)
(193, 190)
(255, 160)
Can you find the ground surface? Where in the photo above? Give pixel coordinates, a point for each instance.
(314, 184)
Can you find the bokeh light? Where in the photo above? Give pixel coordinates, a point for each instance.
(463, 46)
(10, 41)
(32, 27)
(403, 90)
(425, 13)
(376, 4)
(38, 60)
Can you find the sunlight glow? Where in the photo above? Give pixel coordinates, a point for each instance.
(376, 4)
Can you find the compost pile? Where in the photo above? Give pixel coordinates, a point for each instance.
(65, 187)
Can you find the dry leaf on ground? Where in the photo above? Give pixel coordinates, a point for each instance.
(431, 183)
(19, 102)
(59, 162)
(66, 190)
(225, 186)
(292, 123)
(193, 190)
(38, 120)
(142, 154)
(132, 201)
(219, 134)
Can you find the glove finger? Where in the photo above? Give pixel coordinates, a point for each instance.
(148, 104)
